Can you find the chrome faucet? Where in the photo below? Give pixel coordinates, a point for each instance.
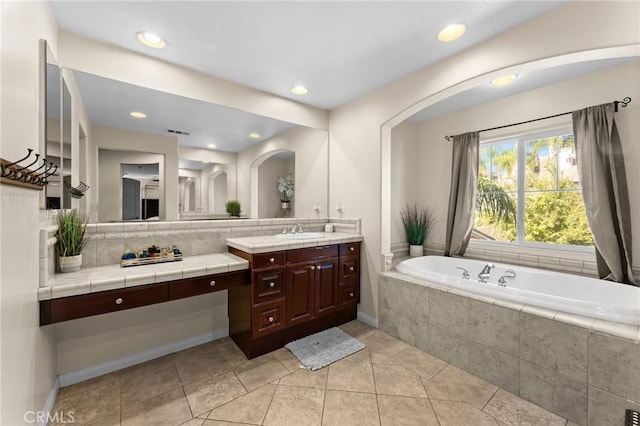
(483, 276)
(509, 273)
(465, 272)
(296, 229)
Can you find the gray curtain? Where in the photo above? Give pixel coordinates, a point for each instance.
(605, 193)
(462, 197)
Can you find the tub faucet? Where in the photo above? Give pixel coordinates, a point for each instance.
(465, 273)
(486, 272)
(509, 273)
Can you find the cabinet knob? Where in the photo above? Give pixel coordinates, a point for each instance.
(119, 301)
(352, 248)
(270, 319)
(212, 283)
(351, 268)
(272, 285)
(351, 294)
(312, 267)
(271, 260)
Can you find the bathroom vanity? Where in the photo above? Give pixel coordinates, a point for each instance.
(294, 292)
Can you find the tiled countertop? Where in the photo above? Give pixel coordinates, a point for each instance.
(111, 277)
(267, 243)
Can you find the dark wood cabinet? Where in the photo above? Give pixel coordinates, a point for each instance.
(86, 305)
(294, 293)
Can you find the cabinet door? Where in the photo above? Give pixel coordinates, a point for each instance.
(300, 292)
(326, 283)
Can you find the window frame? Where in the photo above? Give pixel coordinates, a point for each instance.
(521, 139)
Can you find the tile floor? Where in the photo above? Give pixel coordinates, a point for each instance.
(387, 383)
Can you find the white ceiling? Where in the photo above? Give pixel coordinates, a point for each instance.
(109, 103)
(525, 81)
(339, 50)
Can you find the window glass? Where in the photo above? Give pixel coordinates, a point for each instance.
(544, 181)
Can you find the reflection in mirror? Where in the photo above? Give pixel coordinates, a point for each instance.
(130, 185)
(52, 127)
(208, 139)
(65, 148)
(270, 201)
(140, 191)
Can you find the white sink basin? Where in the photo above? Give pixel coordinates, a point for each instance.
(301, 236)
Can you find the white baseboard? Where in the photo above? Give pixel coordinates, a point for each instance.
(373, 322)
(51, 399)
(129, 360)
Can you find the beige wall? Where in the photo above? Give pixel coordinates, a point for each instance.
(310, 148)
(27, 352)
(358, 128)
(124, 140)
(434, 153)
(405, 182)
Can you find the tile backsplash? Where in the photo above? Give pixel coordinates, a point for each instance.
(108, 241)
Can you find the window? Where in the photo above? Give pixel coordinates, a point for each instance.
(528, 191)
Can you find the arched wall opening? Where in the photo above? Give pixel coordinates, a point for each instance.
(388, 208)
(265, 170)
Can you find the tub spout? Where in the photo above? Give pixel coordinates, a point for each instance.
(507, 274)
(486, 272)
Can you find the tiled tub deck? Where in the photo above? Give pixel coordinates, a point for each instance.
(583, 369)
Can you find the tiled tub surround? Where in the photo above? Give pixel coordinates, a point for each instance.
(583, 369)
(107, 241)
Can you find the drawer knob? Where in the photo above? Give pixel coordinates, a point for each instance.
(312, 267)
(352, 248)
(119, 301)
(351, 268)
(270, 319)
(351, 294)
(272, 260)
(212, 283)
(272, 285)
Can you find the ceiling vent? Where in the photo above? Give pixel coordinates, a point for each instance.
(178, 132)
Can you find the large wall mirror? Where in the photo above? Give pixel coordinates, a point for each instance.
(204, 155)
(52, 140)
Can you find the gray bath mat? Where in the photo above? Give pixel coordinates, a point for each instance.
(321, 349)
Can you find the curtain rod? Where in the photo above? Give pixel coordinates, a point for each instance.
(623, 103)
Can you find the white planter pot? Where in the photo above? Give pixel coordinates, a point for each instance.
(70, 263)
(285, 205)
(416, 251)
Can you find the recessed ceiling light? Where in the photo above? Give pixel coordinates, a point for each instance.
(151, 40)
(299, 90)
(254, 135)
(504, 80)
(452, 32)
(138, 114)
(211, 146)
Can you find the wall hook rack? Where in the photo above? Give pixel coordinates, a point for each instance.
(77, 191)
(18, 172)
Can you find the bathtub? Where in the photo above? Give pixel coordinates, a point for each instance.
(553, 290)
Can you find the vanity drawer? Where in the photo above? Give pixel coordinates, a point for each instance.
(268, 284)
(349, 248)
(311, 253)
(194, 286)
(349, 266)
(268, 260)
(268, 317)
(85, 305)
(348, 294)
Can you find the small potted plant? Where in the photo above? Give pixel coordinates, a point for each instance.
(285, 187)
(417, 223)
(233, 208)
(70, 240)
